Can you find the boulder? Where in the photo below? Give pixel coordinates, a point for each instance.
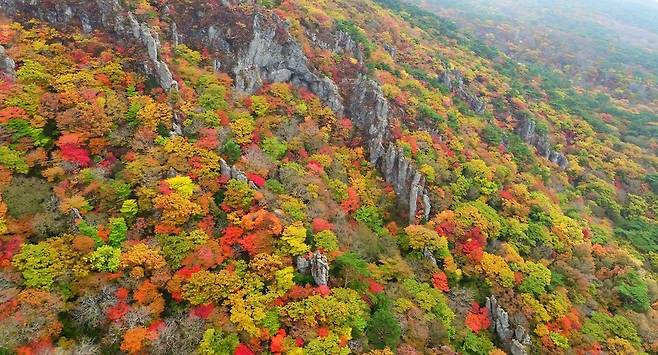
(7, 65)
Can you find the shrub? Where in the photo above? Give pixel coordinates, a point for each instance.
(129, 208)
(243, 128)
(275, 186)
(188, 54)
(118, 230)
(294, 237)
(477, 344)
(213, 98)
(239, 194)
(13, 160)
(38, 263)
(370, 216)
(215, 341)
(492, 135)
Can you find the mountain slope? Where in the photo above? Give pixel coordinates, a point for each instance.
(307, 178)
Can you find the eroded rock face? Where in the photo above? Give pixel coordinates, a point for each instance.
(104, 15)
(408, 182)
(338, 42)
(454, 81)
(149, 38)
(255, 48)
(526, 129)
(7, 65)
(515, 341)
(369, 111)
(320, 268)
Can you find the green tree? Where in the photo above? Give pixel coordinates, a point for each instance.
(239, 194)
(274, 147)
(634, 291)
(213, 98)
(118, 230)
(231, 151)
(294, 236)
(326, 240)
(216, 342)
(383, 329)
(492, 135)
(38, 264)
(129, 208)
(476, 344)
(371, 217)
(537, 278)
(105, 258)
(350, 267)
(13, 160)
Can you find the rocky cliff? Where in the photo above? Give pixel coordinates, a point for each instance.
(255, 47)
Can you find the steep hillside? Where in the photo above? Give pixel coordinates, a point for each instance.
(308, 177)
(603, 53)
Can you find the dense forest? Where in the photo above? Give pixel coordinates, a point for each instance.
(328, 177)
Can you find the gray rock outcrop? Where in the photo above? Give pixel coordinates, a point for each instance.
(267, 54)
(338, 42)
(317, 264)
(303, 264)
(149, 38)
(526, 129)
(320, 268)
(454, 81)
(408, 183)
(368, 109)
(515, 341)
(7, 65)
(232, 172)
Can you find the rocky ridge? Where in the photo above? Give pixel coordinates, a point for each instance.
(454, 81)
(526, 129)
(258, 52)
(369, 111)
(263, 51)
